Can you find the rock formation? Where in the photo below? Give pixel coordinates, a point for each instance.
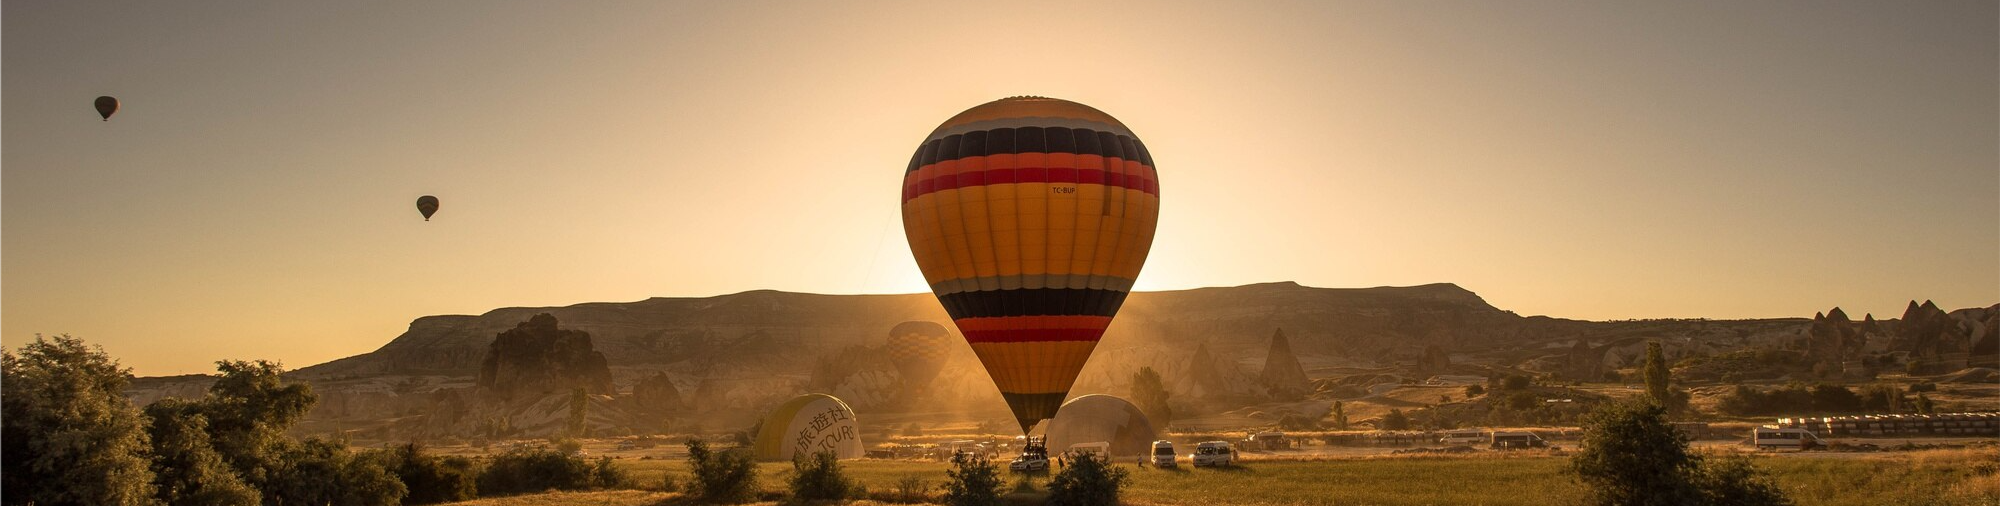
(1836, 341)
(1584, 363)
(1934, 340)
(658, 394)
(1282, 374)
(536, 358)
(1434, 360)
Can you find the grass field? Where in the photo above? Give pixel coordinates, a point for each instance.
(1941, 477)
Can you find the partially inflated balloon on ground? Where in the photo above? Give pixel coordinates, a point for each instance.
(1030, 218)
(809, 424)
(1099, 418)
(427, 205)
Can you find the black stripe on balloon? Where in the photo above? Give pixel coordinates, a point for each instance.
(1002, 141)
(1031, 408)
(1033, 302)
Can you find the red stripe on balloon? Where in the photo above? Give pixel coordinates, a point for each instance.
(921, 183)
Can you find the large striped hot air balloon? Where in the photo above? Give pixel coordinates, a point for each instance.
(1030, 218)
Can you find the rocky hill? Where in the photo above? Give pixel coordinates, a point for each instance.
(728, 357)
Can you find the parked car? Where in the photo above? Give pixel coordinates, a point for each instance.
(1034, 458)
(1213, 453)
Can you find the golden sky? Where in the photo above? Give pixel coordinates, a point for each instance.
(254, 198)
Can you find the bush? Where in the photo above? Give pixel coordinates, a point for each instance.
(430, 479)
(1734, 481)
(1474, 391)
(1087, 481)
(1395, 420)
(608, 475)
(1631, 456)
(1514, 382)
(320, 471)
(972, 481)
(913, 489)
(720, 477)
(530, 470)
(818, 477)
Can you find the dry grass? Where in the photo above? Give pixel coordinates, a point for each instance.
(603, 498)
(1942, 477)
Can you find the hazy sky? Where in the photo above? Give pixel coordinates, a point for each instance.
(254, 199)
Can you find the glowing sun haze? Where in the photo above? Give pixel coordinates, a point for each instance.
(254, 198)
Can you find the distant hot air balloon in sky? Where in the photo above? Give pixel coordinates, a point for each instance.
(106, 106)
(1030, 218)
(919, 350)
(427, 205)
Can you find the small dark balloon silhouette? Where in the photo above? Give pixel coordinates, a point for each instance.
(427, 205)
(106, 106)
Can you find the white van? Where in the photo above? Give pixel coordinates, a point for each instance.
(1463, 437)
(1775, 438)
(1513, 440)
(1163, 453)
(1213, 453)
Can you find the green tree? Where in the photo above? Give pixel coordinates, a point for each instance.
(67, 434)
(579, 405)
(972, 481)
(1149, 392)
(1395, 420)
(1087, 481)
(187, 469)
(1657, 375)
(1924, 405)
(1474, 391)
(1339, 416)
(1631, 456)
(249, 408)
(725, 477)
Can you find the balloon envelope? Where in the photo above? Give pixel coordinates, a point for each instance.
(919, 350)
(1030, 218)
(427, 205)
(1100, 418)
(106, 106)
(809, 424)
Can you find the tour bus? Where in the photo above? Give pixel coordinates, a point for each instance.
(1213, 453)
(1776, 438)
(1508, 440)
(1463, 437)
(1163, 453)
